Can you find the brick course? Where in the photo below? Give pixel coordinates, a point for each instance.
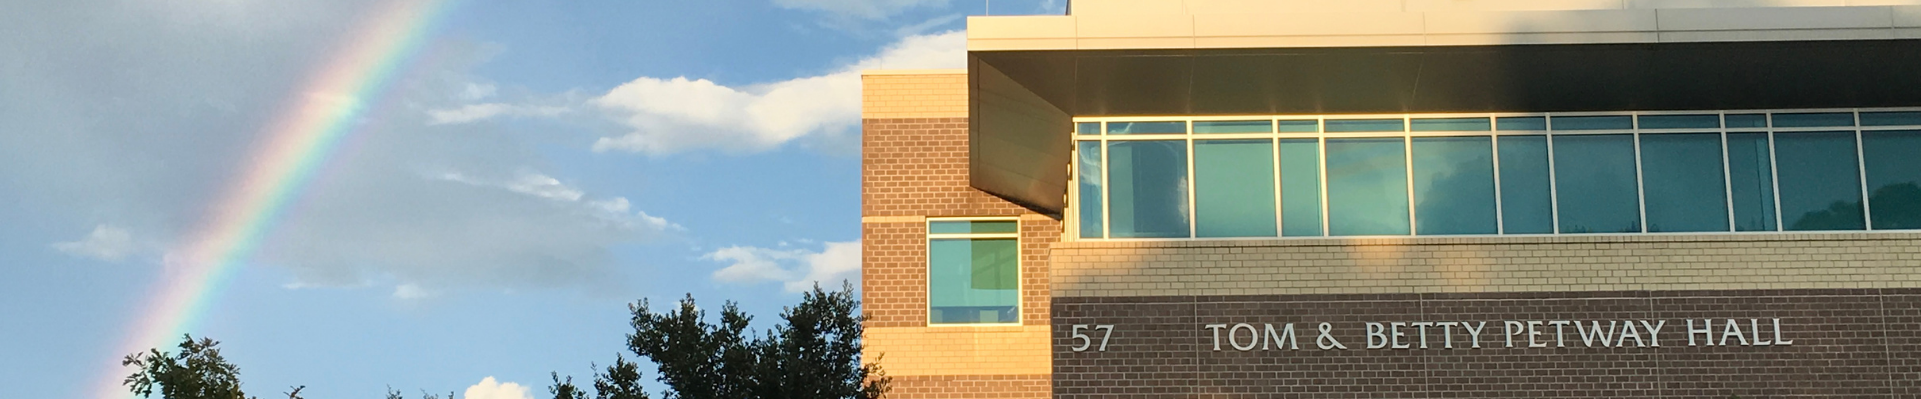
(970, 387)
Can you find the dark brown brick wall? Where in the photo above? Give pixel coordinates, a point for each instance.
(969, 387)
(918, 167)
(1847, 344)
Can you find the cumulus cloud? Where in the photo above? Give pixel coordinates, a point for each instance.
(490, 389)
(410, 291)
(868, 9)
(157, 112)
(477, 112)
(797, 270)
(666, 115)
(106, 242)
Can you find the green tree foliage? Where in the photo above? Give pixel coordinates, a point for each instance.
(197, 372)
(620, 381)
(565, 389)
(814, 353)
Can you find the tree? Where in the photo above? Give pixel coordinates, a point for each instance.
(813, 353)
(197, 372)
(620, 381)
(565, 389)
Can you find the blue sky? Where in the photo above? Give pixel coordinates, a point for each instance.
(539, 165)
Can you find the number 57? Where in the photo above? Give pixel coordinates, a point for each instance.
(1088, 341)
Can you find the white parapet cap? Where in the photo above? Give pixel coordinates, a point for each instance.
(1199, 24)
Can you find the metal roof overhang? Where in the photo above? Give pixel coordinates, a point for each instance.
(1023, 101)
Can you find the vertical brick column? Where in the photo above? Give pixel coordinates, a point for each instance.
(914, 154)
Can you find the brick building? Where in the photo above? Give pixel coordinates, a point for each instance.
(1403, 198)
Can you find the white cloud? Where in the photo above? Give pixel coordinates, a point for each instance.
(490, 389)
(869, 9)
(478, 91)
(410, 291)
(797, 270)
(678, 114)
(478, 112)
(106, 242)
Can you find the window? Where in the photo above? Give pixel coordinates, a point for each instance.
(1820, 180)
(1147, 184)
(1686, 189)
(1594, 175)
(1234, 188)
(1497, 174)
(1366, 187)
(973, 271)
(1454, 185)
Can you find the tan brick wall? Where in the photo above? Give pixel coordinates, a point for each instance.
(971, 387)
(960, 350)
(1503, 264)
(914, 153)
(891, 95)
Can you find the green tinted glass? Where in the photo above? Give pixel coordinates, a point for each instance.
(1831, 119)
(1452, 125)
(1364, 125)
(1300, 188)
(1890, 118)
(1594, 175)
(1233, 127)
(1820, 181)
(1751, 178)
(1366, 187)
(1454, 185)
(1681, 174)
(1593, 123)
(1521, 123)
(973, 227)
(1894, 178)
(1146, 127)
(1527, 202)
(1747, 121)
(973, 281)
(1308, 126)
(1090, 189)
(1147, 189)
(1088, 128)
(1234, 188)
(1680, 121)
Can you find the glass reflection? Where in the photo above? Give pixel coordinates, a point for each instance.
(1454, 185)
(1751, 174)
(1367, 187)
(1820, 181)
(1594, 176)
(1685, 189)
(1147, 185)
(1090, 189)
(1527, 202)
(1234, 188)
(1300, 188)
(1894, 177)
(973, 281)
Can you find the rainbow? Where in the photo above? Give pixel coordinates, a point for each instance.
(299, 139)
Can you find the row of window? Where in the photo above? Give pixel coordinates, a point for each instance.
(1560, 175)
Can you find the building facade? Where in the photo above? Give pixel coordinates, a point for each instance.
(1403, 198)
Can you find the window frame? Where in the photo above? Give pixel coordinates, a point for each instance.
(927, 264)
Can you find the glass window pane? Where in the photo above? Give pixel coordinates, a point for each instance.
(1890, 118)
(1527, 201)
(1452, 125)
(1594, 176)
(1681, 174)
(1307, 126)
(1367, 187)
(1147, 188)
(1090, 186)
(1747, 121)
(1820, 181)
(1088, 128)
(1751, 172)
(1814, 120)
(1364, 125)
(1454, 185)
(1521, 123)
(1234, 188)
(1894, 178)
(1593, 123)
(973, 281)
(973, 227)
(1234, 127)
(1300, 188)
(1146, 127)
(1680, 122)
